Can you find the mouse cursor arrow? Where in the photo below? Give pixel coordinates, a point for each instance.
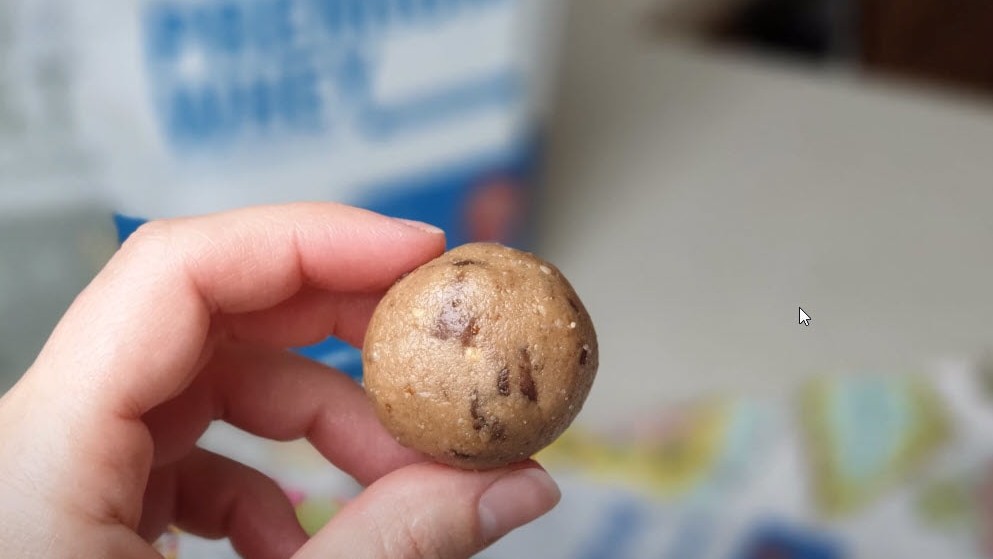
(804, 318)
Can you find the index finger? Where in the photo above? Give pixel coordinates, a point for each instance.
(134, 337)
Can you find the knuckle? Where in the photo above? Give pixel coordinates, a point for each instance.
(411, 537)
(416, 543)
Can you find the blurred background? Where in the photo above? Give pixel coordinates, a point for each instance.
(699, 169)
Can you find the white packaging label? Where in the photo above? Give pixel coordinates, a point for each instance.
(201, 105)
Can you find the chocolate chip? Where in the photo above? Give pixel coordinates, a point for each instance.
(503, 382)
(388, 407)
(451, 321)
(461, 263)
(454, 323)
(454, 320)
(573, 304)
(583, 355)
(478, 421)
(528, 388)
(461, 455)
(498, 431)
(469, 332)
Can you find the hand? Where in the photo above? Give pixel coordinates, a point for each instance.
(188, 323)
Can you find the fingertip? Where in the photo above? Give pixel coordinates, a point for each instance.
(432, 509)
(421, 226)
(515, 499)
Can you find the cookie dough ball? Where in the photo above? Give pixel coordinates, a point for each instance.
(480, 357)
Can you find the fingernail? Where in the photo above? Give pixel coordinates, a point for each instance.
(421, 226)
(515, 499)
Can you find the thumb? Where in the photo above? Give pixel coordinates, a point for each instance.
(430, 510)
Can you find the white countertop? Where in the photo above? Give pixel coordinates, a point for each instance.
(696, 199)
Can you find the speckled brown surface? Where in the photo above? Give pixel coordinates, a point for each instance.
(480, 357)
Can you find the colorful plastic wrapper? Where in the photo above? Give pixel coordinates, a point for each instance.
(909, 458)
